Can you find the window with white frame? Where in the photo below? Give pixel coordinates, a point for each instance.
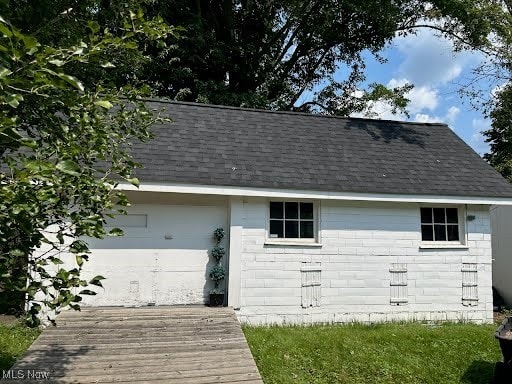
(291, 220)
(440, 224)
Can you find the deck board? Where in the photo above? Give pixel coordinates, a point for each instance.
(185, 345)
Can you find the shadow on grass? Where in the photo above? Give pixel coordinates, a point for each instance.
(6, 361)
(479, 372)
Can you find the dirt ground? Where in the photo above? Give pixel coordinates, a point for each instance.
(8, 320)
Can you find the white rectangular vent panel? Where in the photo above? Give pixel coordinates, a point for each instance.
(398, 284)
(469, 284)
(311, 284)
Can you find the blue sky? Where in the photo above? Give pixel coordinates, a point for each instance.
(430, 64)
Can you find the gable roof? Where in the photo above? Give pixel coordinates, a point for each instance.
(228, 146)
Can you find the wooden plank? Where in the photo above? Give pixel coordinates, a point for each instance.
(159, 376)
(164, 356)
(205, 359)
(148, 328)
(142, 315)
(74, 350)
(82, 352)
(139, 324)
(134, 343)
(158, 310)
(157, 332)
(185, 370)
(92, 340)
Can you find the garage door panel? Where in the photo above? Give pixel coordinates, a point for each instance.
(164, 263)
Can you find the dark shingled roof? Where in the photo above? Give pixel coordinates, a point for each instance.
(214, 145)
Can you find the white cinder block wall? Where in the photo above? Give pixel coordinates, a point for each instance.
(360, 243)
(501, 224)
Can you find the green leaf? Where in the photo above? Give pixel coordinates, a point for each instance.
(79, 260)
(116, 232)
(13, 99)
(79, 246)
(96, 280)
(87, 292)
(93, 26)
(103, 103)
(71, 80)
(108, 65)
(69, 167)
(4, 29)
(4, 72)
(57, 62)
(133, 181)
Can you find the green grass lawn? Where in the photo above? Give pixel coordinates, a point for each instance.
(14, 341)
(387, 353)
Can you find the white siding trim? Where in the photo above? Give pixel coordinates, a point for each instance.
(235, 251)
(306, 194)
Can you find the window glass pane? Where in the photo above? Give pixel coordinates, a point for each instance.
(439, 215)
(306, 210)
(276, 229)
(451, 215)
(291, 230)
(453, 233)
(426, 215)
(306, 230)
(439, 232)
(427, 233)
(291, 211)
(276, 210)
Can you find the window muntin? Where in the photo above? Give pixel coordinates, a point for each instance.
(291, 220)
(440, 224)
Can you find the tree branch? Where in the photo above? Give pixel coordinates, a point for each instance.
(444, 31)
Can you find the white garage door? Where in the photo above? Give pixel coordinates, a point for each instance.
(163, 259)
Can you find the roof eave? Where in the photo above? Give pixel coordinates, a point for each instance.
(311, 194)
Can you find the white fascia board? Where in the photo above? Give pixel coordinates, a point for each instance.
(305, 194)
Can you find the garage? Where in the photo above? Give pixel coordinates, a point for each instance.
(163, 257)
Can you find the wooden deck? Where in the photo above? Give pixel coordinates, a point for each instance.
(186, 345)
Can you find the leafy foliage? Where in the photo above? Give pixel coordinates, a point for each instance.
(64, 146)
(497, 71)
(219, 234)
(218, 252)
(266, 54)
(217, 273)
(500, 134)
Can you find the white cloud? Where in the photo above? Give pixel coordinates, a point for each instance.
(497, 89)
(430, 59)
(452, 114)
(426, 118)
(477, 140)
(423, 100)
(421, 97)
(448, 118)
